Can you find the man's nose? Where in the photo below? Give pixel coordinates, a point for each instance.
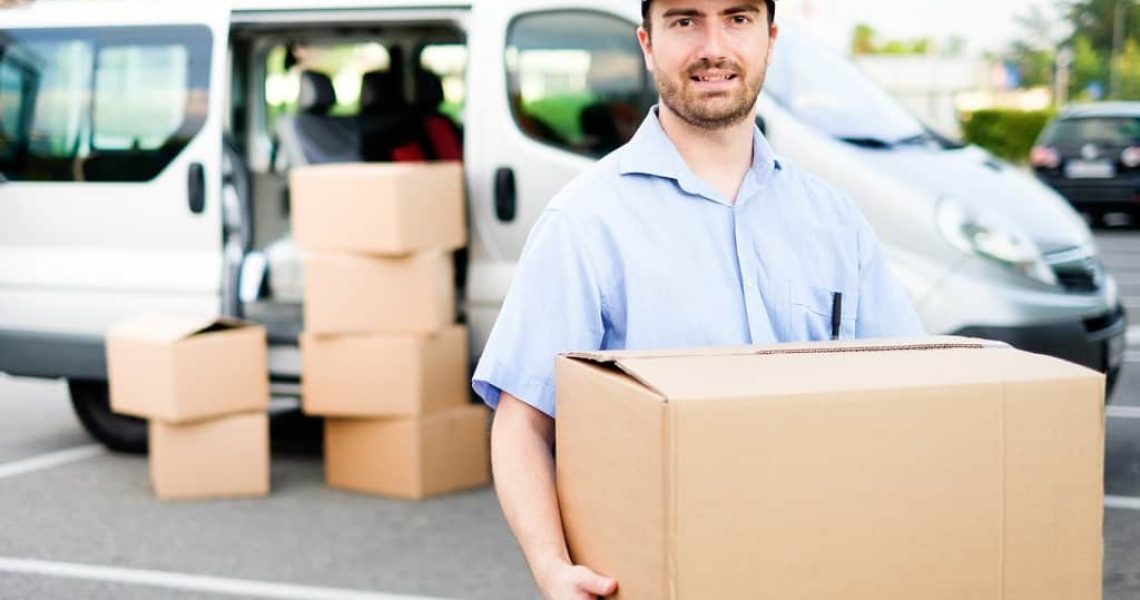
(713, 43)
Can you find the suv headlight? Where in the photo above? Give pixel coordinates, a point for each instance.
(1012, 249)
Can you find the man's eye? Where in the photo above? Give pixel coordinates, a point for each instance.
(684, 22)
(741, 20)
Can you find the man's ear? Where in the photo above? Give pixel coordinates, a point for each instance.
(773, 33)
(645, 40)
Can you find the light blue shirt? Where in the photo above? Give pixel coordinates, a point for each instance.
(639, 253)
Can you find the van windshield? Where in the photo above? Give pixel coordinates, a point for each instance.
(831, 95)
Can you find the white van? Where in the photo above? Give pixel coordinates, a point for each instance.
(144, 149)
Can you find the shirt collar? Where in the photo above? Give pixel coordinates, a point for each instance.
(651, 152)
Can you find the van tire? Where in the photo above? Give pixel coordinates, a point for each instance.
(92, 403)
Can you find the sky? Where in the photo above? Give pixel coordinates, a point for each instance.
(984, 24)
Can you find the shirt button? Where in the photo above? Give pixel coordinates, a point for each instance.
(748, 281)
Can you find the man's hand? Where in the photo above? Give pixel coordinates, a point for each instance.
(522, 443)
(564, 581)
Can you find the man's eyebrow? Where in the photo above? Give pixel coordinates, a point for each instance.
(682, 12)
(741, 8)
(692, 12)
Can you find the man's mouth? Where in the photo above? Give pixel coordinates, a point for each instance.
(713, 77)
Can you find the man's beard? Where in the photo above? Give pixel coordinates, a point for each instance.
(707, 113)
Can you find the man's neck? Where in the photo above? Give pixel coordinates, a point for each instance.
(721, 157)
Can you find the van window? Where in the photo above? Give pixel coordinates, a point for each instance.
(576, 80)
(449, 63)
(114, 104)
(344, 63)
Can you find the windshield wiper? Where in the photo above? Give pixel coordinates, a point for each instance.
(915, 140)
(930, 137)
(867, 142)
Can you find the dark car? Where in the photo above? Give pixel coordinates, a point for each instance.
(1090, 154)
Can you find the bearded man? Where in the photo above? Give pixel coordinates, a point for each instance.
(692, 234)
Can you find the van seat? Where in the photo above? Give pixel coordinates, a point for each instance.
(442, 137)
(312, 136)
(388, 124)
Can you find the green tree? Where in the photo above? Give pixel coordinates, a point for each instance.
(1095, 20)
(863, 40)
(1089, 66)
(1127, 66)
(1035, 52)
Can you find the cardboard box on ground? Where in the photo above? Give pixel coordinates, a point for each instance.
(382, 357)
(937, 468)
(202, 382)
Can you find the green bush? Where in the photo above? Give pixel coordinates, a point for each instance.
(1008, 134)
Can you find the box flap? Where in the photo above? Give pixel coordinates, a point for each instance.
(681, 373)
(170, 327)
(860, 345)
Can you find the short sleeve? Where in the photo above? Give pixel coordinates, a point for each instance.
(885, 309)
(553, 306)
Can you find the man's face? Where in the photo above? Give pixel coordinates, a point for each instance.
(708, 57)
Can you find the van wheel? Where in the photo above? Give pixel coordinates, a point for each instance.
(92, 402)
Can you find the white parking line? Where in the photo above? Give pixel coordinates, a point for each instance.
(1123, 412)
(1122, 502)
(186, 582)
(1133, 335)
(54, 459)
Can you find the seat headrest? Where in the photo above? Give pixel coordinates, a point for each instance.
(429, 90)
(381, 91)
(317, 94)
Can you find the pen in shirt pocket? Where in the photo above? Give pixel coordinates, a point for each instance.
(836, 314)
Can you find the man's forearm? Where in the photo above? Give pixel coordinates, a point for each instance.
(523, 462)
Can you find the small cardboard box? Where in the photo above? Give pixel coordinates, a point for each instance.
(178, 368)
(384, 374)
(346, 293)
(387, 209)
(409, 457)
(935, 468)
(222, 457)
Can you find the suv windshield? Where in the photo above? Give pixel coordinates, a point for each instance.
(829, 93)
(1112, 131)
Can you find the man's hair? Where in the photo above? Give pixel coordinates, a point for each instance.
(646, 3)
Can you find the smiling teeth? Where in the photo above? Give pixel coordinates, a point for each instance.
(716, 78)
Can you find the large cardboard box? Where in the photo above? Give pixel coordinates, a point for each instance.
(223, 457)
(389, 208)
(384, 375)
(179, 368)
(346, 293)
(410, 458)
(936, 469)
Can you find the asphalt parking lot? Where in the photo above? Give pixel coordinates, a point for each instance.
(82, 523)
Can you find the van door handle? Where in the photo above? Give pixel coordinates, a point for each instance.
(196, 188)
(506, 195)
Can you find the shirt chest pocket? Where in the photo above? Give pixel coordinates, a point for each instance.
(814, 309)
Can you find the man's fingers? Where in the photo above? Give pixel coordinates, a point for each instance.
(595, 584)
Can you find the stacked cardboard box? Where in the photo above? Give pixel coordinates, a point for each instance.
(930, 468)
(203, 385)
(382, 358)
